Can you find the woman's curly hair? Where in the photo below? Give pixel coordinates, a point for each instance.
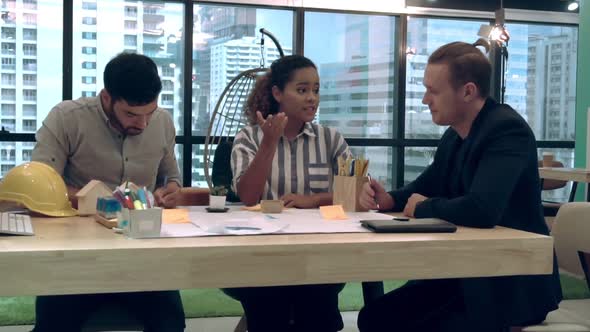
(281, 72)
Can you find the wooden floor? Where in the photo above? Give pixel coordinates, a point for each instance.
(573, 314)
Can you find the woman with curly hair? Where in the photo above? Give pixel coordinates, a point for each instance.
(283, 155)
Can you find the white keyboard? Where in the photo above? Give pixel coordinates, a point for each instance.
(14, 223)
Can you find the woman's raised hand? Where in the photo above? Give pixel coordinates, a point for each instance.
(273, 127)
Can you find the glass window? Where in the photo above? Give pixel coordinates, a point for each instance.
(566, 157)
(89, 65)
(29, 79)
(26, 154)
(14, 153)
(9, 63)
(30, 95)
(8, 94)
(162, 42)
(425, 35)
(8, 79)
(541, 78)
(8, 110)
(88, 50)
(227, 42)
(8, 124)
(8, 48)
(38, 41)
(8, 4)
(356, 59)
(130, 25)
(197, 166)
(88, 5)
(89, 35)
(30, 110)
(30, 49)
(29, 125)
(30, 4)
(8, 33)
(416, 159)
(130, 40)
(89, 20)
(381, 163)
(30, 19)
(88, 79)
(30, 34)
(132, 11)
(30, 64)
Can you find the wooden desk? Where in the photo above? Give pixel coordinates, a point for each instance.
(568, 174)
(77, 255)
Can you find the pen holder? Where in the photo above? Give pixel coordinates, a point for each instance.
(347, 190)
(142, 223)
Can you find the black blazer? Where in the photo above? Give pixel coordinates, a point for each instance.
(495, 182)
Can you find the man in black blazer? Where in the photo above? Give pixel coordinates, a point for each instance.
(484, 174)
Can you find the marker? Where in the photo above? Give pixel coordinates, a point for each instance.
(401, 218)
(240, 228)
(142, 197)
(137, 205)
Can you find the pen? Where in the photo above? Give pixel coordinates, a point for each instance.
(371, 185)
(142, 197)
(239, 228)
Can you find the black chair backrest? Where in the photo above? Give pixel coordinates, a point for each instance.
(221, 174)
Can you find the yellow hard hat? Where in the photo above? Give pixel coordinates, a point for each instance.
(38, 187)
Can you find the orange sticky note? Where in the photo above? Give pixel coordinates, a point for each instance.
(175, 216)
(333, 212)
(252, 208)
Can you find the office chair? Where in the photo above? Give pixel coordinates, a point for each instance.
(228, 119)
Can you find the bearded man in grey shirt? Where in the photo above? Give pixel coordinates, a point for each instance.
(120, 135)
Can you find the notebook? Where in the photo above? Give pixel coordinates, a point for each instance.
(423, 225)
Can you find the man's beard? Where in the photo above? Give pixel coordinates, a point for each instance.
(127, 131)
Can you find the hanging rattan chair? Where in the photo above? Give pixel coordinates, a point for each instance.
(228, 118)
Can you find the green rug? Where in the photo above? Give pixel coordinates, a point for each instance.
(212, 302)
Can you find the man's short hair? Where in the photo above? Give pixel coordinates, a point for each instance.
(133, 78)
(466, 64)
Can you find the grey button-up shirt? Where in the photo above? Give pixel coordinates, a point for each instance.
(79, 141)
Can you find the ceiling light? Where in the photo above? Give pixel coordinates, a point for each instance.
(573, 6)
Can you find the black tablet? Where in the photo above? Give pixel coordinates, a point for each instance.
(425, 225)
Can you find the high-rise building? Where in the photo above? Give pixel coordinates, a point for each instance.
(23, 46)
(551, 100)
(98, 38)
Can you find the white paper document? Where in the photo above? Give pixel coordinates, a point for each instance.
(240, 222)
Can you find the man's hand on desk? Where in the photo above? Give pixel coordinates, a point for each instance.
(168, 196)
(374, 197)
(413, 201)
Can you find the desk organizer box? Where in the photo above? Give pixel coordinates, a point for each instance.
(347, 190)
(141, 223)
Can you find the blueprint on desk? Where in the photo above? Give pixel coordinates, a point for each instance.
(240, 222)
